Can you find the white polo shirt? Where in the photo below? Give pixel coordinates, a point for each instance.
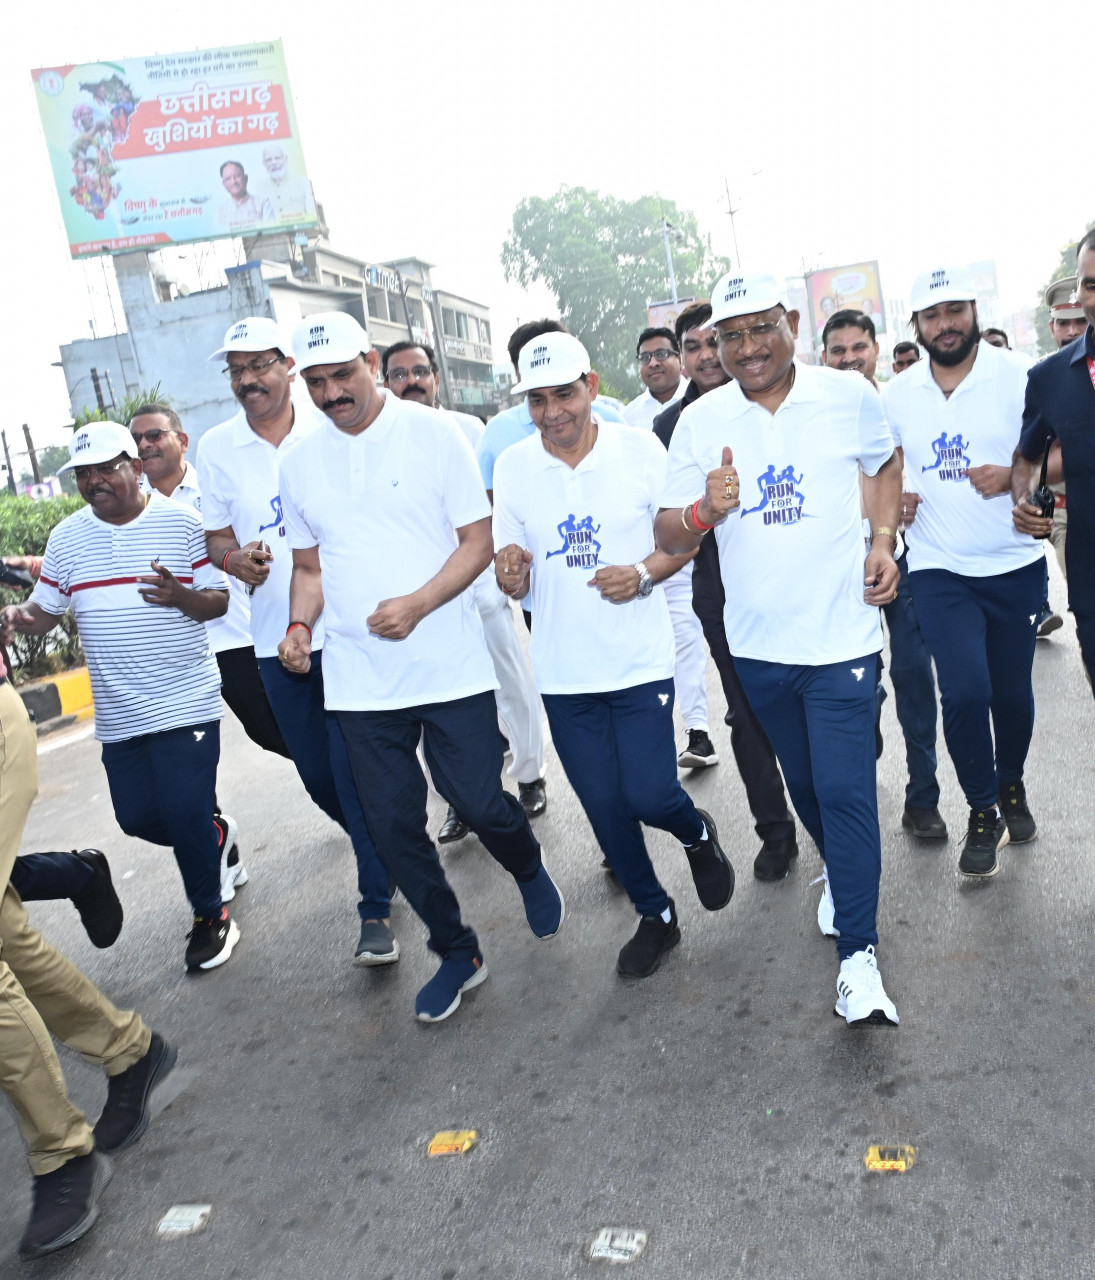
(382, 507)
(151, 668)
(238, 471)
(233, 631)
(792, 553)
(576, 520)
(642, 411)
(955, 528)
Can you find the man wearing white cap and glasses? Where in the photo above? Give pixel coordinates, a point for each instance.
(574, 510)
(245, 532)
(134, 569)
(774, 462)
(976, 581)
(389, 525)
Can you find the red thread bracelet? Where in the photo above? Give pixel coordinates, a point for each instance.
(693, 513)
(299, 624)
(224, 562)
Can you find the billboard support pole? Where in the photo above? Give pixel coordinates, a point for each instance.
(37, 471)
(7, 460)
(669, 262)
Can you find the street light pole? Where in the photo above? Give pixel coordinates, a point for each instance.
(669, 260)
(733, 229)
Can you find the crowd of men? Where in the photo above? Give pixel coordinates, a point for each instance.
(339, 569)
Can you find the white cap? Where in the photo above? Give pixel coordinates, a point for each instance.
(329, 337)
(551, 360)
(744, 294)
(942, 284)
(98, 442)
(253, 333)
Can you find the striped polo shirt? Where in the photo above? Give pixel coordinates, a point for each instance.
(151, 668)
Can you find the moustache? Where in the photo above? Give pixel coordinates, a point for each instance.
(328, 405)
(246, 391)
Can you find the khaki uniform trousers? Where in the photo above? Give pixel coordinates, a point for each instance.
(41, 993)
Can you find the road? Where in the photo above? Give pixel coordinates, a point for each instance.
(718, 1106)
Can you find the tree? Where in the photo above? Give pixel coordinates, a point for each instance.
(1065, 267)
(604, 260)
(123, 411)
(48, 461)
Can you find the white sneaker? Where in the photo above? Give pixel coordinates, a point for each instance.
(826, 908)
(233, 873)
(861, 998)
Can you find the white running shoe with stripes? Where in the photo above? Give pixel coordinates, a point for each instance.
(861, 998)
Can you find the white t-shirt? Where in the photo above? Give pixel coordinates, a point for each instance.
(382, 507)
(792, 553)
(233, 631)
(238, 471)
(642, 411)
(151, 668)
(955, 528)
(575, 521)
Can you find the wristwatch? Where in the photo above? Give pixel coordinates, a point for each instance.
(646, 582)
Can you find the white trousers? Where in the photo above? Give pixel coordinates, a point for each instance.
(690, 672)
(518, 701)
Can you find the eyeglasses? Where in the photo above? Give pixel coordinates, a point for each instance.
(399, 376)
(235, 372)
(662, 353)
(99, 468)
(152, 434)
(732, 337)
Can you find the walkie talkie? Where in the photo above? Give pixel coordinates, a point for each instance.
(1043, 497)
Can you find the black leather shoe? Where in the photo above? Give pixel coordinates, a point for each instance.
(533, 797)
(775, 857)
(453, 828)
(925, 824)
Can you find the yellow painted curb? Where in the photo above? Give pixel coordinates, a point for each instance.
(74, 690)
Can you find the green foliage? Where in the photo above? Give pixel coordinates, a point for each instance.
(1065, 267)
(26, 526)
(123, 411)
(604, 260)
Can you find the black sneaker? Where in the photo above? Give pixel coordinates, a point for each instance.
(125, 1116)
(711, 870)
(925, 824)
(533, 797)
(65, 1205)
(1048, 623)
(775, 857)
(985, 837)
(653, 938)
(1013, 805)
(452, 829)
(99, 906)
(700, 752)
(211, 941)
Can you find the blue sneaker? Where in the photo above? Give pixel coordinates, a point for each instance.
(440, 997)
(544, 905)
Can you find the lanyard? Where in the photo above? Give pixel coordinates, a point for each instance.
(1091, 369)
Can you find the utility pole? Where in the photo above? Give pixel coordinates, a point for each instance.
(669, 259)
(98, 390)
(733, 230)
(7, 461)
(36, 470)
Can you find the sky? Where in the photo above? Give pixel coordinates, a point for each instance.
(915, 134)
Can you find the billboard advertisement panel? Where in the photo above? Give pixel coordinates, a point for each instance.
(854, 287)
(168, 150)
(663, 315)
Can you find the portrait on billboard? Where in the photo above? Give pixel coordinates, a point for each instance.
(851, 288)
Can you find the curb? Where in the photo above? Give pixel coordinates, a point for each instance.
(66, 695)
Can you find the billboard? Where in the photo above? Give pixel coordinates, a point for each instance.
(663, 315)
(169, 150)
(855, 288)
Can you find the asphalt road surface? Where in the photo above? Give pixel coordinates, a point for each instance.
(718, 1106)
